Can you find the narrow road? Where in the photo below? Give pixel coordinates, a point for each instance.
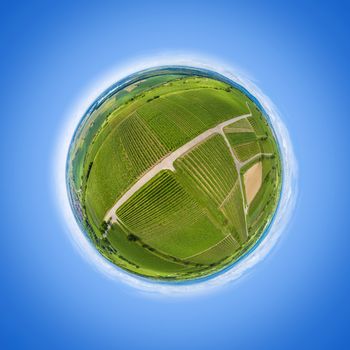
(242, 164)
(238, 165)
(168, 163)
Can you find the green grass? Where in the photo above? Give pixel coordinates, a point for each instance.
(261, 202)
(140, 256)
(257, 123)
(141, 86)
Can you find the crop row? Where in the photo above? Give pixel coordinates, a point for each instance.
(240, 125)
(209, 172)
(199, 109)
(241, 137)
(219, 103)
(258, 123)
(179, 117)
(173, 125)
(155, 205)
(246, 151)
(128, 150)
(142, 147)
(110, 175)
(217, 252)
(211, 168)
(186, 236)
(233, 210)
(164, 215)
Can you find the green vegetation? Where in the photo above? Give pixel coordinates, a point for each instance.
(154, 203)
(209, 174)
(142, 257)
(174, 121)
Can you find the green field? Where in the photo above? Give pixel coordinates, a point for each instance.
(160, 172)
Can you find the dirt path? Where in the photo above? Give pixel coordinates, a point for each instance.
(238, 165)
(168, 163)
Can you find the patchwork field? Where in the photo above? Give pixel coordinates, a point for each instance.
(176, 175)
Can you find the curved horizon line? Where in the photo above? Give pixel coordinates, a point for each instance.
(233, 272)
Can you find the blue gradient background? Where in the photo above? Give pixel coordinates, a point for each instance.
(51, 298)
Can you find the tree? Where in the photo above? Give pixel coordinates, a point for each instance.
(104, 226)
(132, 237)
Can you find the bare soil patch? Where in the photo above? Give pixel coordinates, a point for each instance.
(252, 181)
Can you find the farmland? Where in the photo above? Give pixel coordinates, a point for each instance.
(160, 170)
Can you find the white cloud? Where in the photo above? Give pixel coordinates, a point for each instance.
(281, 219)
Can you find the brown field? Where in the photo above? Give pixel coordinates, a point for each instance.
(252, 181)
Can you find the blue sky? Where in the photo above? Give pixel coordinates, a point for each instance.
(298, 54)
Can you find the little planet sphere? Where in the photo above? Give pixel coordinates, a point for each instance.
(174, 173)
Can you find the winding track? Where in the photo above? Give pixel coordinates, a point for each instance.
(168, 163)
